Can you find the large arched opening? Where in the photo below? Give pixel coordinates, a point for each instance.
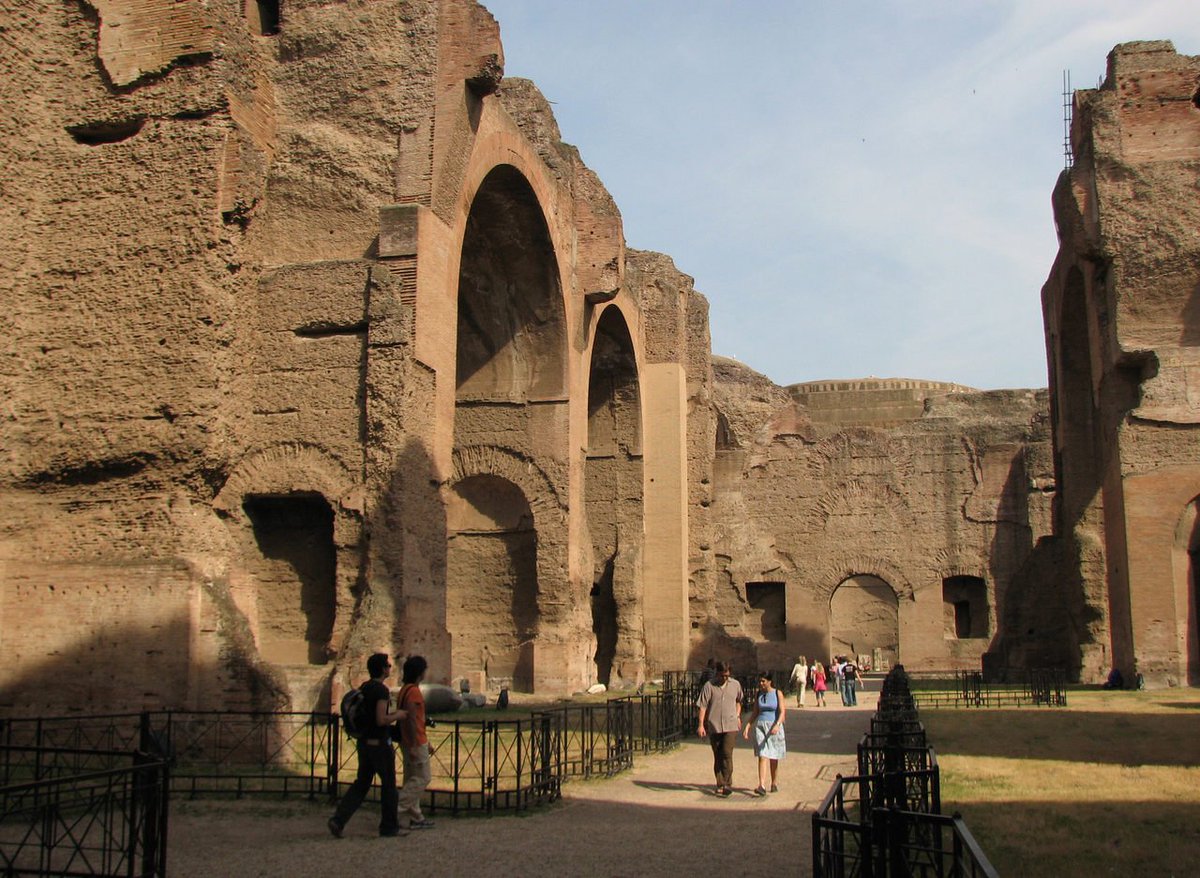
(492, 583)
(511, 333)
(864, 620)
(613, 492)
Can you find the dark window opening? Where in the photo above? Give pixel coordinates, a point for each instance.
(964, 599)
(768, 600)
(726, 440)
(264, 15)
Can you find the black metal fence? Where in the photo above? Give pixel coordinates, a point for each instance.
(1040, 687)
(477, 765)
(83, 812)
(886, 820)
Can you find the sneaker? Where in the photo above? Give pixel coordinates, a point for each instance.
(335, 828)
(423, 823)
(393, 833)
(759, 791)
(725, 793)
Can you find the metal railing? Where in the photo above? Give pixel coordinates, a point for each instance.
(67, 820)
(850, 842)
(886, 820)
(1042, 687)
(476, 765)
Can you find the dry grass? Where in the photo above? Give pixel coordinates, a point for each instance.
(1109, 785)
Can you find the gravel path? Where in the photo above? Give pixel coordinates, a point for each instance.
(660, 818)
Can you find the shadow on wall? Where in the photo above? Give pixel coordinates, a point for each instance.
(402, 593)
(127, 668)
(714, 641)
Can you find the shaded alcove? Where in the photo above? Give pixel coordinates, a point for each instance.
(295, 573)
(1074, 408)
(1187, 588)
(768, 601)
(864, 619)
(965, 607)
(613, 495)
(511, 336)
(491, 582)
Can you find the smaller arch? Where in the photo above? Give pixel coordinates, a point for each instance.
(726, 438)
(864, 619)
(542, 494)
(289, 468)
(614, 388)
(839, 568)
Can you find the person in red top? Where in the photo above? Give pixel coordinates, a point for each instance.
(414, 743)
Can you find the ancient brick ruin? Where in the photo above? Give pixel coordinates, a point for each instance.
(322, 342)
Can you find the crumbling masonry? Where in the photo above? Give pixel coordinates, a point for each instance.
(320, 341)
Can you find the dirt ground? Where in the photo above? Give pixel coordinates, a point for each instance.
(660, 818)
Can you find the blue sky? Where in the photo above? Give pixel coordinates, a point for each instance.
(859, 188)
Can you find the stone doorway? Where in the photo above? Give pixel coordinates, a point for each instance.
(864, 619)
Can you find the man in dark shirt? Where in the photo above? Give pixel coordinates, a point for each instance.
(375, 755)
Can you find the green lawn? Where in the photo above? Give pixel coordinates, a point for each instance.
(1109, 785)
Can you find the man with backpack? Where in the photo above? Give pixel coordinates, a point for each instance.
(370, 724)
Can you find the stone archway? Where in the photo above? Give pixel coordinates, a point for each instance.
(511, 336)
(293, 513)
(864, 619)
(613, 493)
(505, 550)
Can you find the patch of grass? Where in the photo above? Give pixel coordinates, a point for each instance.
(1108, 785)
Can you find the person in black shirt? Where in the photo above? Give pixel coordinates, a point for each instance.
(375, 755)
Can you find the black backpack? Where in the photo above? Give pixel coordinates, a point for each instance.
(354, 714)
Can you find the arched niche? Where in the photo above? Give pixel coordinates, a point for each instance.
(613, 493)
(1187, 589)
(511, 336)
(864, 619)
(1074, 408)
(491, 582)
(614, 398)
(292, 512)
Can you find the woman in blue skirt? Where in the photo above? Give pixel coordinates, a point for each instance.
(769, 743)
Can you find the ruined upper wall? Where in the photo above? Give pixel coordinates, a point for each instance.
(1127, 217)
(913, 489)
(877, 401)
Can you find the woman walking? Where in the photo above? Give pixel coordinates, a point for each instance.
(769, 743)
(800, 679)
(819, 685)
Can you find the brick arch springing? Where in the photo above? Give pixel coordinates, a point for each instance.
(835, 571)
(545, 502)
